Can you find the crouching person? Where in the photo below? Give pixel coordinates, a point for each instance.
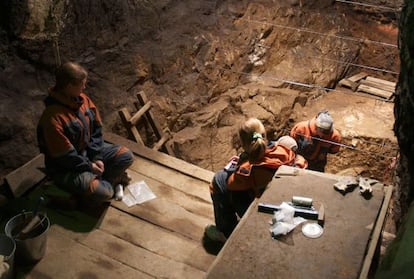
(70, 136)
(234, 188)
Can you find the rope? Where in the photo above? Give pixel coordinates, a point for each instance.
(347, 146)
(359, 40)
(307, 85)
(370, 5)
(343, 62)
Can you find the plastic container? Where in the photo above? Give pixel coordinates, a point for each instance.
(7, 249)
(31, 249)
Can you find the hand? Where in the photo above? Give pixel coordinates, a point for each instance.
(235, 159)
(98, 167)
(232, 164)
(303, 143)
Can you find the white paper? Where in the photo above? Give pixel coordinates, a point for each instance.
(138, 193)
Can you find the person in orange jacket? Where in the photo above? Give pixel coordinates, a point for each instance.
(289, 142)
(69, 134)
(245, 177)
(316, 138)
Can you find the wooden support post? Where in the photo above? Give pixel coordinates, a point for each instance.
(143, 107)
(161, 142)
(142, 98)
(132, 130)
(137, 116)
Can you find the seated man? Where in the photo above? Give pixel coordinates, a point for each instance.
(69, 134)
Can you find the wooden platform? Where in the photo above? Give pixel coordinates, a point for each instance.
(345, 249)
(161, 238)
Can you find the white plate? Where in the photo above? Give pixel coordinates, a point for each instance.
(312, 230)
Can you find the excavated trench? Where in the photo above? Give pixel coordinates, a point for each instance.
(206, 66)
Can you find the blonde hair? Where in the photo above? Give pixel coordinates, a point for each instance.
(252, 135)
(69, 73)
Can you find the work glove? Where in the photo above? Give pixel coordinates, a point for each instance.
(303, 143)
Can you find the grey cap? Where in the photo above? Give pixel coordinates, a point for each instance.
(289, 142)
(324, 121)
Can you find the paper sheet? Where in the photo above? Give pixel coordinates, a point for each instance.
(137, 193)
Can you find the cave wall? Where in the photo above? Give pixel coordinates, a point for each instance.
(403, 109)
(399, 257)
(192, 58)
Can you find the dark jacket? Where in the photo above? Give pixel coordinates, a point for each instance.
(69, 133)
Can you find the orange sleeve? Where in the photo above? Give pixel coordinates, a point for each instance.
(55, 139)
(301, 162)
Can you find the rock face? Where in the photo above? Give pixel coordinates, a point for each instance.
(404, 105)
(205, 65)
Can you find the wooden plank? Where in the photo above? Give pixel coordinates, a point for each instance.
(378, 85)
(142, 98)
(162, 158)
(186, 184)
(156, 240)
(161, 142)
(376, 234)
(137, 257)
(374, 91)
(132, 130)
(172, 209)
(357, 77)
(67, 259)
(190, 203)
(26, 176)
(137, 116)
(382, 81)
(348, 83)
(169, 216)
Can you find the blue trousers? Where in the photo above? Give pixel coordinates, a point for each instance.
(96, 189)
(229, 206)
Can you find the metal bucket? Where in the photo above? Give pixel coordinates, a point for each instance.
(29, 250)
(7, 249)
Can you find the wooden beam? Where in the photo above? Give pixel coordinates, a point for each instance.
(382, 81)
(142, 98)
(378, 85)
(376, 234)
(161, 142)
(137, 116)
(348, 83)
(26, 176)
(156, 128)
(374, 91)
(357, 77)
(132, 130)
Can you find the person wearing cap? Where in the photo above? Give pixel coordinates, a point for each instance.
(291, 143)
(316, 138)
(246, 177)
